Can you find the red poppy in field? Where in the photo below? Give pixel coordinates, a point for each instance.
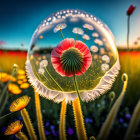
(131, 10)
(71, 57)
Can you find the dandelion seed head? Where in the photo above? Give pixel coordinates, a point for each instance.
(43, 63)
(60, 26)
(88, 26)
(78, 31)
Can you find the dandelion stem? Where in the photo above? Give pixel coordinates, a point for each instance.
(20, 135)
(79, 121)
(63, 120)
(112, 114)
(76, 87)
(84, 40)
(85, 32)
(53, 79)
(45, 77)
(75, 40)
(76, 37)
(39, 117)
(28, 124)
(34, 61)
(62, 34)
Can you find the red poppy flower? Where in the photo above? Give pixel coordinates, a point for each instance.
(131, 10)
(70, 57)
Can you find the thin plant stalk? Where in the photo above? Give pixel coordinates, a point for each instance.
(53, 79)
(112, 114)
(128, 48)
(128, 31)
(79, 121)
(6, 115)
(76, 87)
(20, 135)
(62, 125)
(62, 34)
(4, 94)
(28, 124)
(85, 32)
(134, 122)
(75, 39)
(39, 117)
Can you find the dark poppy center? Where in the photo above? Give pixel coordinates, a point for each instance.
(71, 60)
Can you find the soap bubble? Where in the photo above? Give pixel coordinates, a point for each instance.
(79, 26)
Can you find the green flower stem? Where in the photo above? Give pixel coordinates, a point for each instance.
(45, 77)
(128, 31)
(6, 115)
(84, 40)
(62, 34)
(35, 71)
(76, 87)
(53, 79)
(75, 39)
(4, 94)
(104, 132)
(128, 49)
(85, 32)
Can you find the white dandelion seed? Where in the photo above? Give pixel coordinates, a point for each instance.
(88, 26)
(104, 67)
(86, 37)
(43, 63)
(77, 30)
(94, 49)
(98, 42)
(41, 71)
(95, 34)
(60, 26)
(106, 58)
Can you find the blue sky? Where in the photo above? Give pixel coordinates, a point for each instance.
(19, 18)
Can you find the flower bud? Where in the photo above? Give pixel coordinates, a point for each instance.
(112, 95)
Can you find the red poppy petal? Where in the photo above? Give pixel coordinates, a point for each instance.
(131, 9)
(55, 53)
(83, 69)
(60, 70)
(67, 43)
(82, 47)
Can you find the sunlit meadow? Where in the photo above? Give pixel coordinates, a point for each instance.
(28, 113)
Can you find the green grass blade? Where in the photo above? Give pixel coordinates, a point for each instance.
(112, 114)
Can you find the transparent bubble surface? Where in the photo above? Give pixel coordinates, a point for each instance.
(79, 26)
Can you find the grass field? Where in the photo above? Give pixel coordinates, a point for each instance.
(94, 112)
(131, 60)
